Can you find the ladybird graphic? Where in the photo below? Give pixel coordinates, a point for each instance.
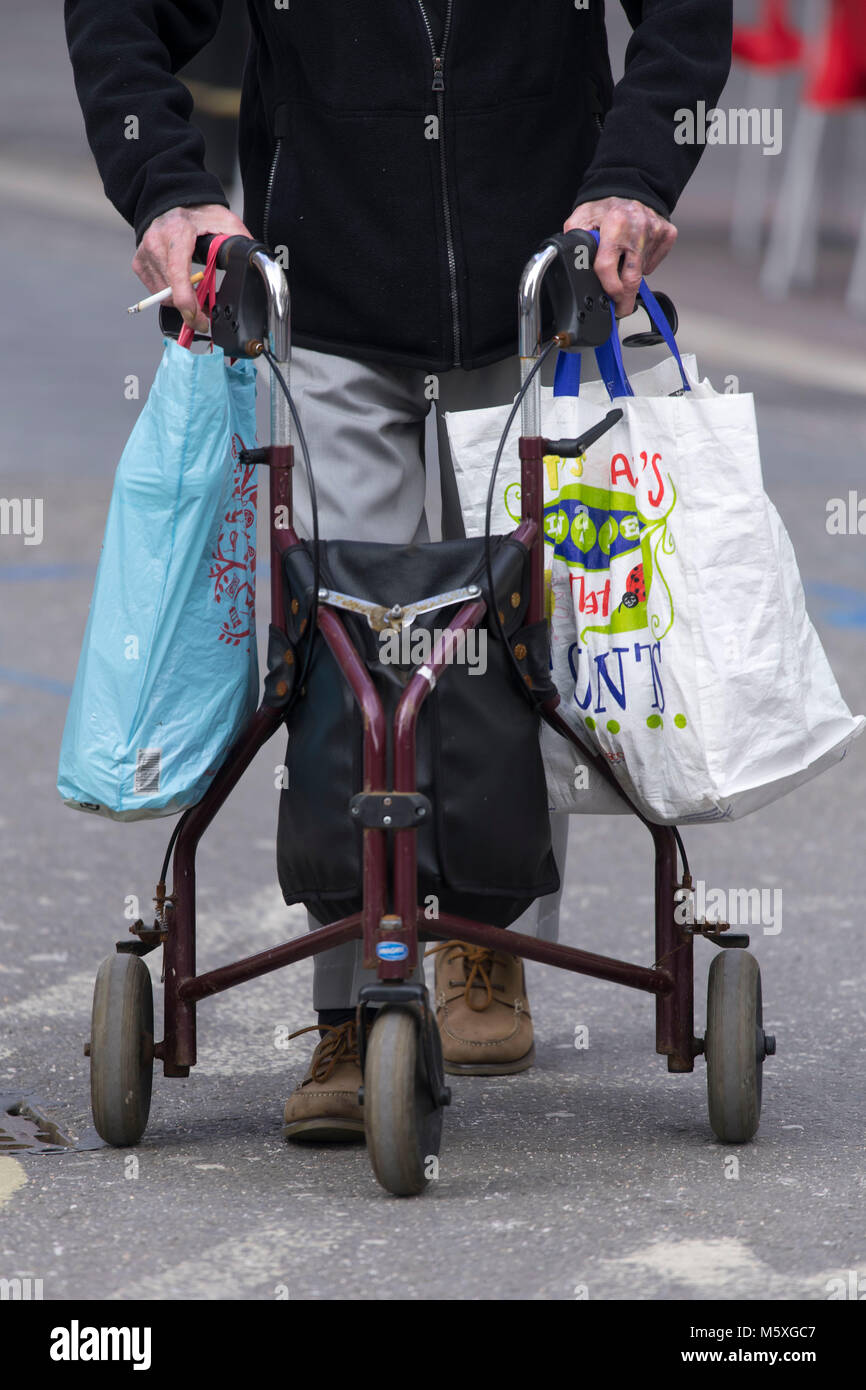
(635, 589)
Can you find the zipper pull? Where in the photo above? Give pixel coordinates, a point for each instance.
(438, 76)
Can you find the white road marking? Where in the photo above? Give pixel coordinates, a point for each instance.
(69, 194)
(234, 1268)
(244, 1041)
(69, 999)
(740, 348)
(723, 1268)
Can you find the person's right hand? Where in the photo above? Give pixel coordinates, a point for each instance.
(164, 255)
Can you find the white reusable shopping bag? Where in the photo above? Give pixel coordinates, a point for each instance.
(680, 642)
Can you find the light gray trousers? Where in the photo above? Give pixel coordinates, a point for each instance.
(382, 469)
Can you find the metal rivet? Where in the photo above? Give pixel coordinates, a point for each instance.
(282, 688)
(473, 590)
(515, 600)
(386, 820)
(387, 801)
(520, 651)
(322, 595)
(295, 605)
(356, 810)
(420, 811)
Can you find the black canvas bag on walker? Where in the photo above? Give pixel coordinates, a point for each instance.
(486, 854)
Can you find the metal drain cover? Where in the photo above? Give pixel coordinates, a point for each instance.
(25, 1128)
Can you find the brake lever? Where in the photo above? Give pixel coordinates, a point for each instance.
(654, 338)
(574, 448)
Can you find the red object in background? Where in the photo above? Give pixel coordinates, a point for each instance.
(839, 73)
(773, 43)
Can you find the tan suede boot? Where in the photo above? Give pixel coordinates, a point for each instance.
(482, 1010)
(325, 1105)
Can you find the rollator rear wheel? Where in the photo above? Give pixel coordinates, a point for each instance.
(121, 1050)
(735, 1045)
(403, 1124)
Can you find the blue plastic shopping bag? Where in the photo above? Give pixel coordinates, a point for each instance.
(168, 671)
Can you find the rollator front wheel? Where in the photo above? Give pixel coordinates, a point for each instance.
(403, 1123)
(735, 1046)
(121, 1050)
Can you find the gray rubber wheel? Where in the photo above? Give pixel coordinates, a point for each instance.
(403, 1126)
(735, 1046)
(121, 1050)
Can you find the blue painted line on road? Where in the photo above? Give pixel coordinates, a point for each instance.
(838, 604)
(16, 574)
(31, 681)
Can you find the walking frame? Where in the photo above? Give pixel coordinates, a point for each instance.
(259, 286)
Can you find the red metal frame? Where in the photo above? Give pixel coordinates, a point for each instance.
(670, 979)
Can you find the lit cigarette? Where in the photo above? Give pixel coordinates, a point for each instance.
(161, 295)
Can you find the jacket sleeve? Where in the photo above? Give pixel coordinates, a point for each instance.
(136, 112)
(679, 53)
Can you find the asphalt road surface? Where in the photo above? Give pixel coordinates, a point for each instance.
(594, 1174)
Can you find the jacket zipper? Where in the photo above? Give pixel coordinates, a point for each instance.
(439, 89)
(269, 192)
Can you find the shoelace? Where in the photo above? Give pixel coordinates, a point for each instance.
(477, 961)
(340, 1044)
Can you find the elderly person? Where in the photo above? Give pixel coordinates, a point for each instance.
(407, 156)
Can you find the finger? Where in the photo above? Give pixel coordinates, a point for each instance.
(584, 218)
(147, 271)
(611, 248)
(631, 274)
(662, 244)
(178, 269)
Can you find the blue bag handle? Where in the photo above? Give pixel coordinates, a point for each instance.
(609, 356)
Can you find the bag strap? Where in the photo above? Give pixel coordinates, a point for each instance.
(609, 355)
(206, 291)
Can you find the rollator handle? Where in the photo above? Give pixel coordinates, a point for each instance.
(581, 309)
(232, 247)
(241, 313)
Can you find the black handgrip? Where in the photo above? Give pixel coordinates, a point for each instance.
(570, 241)
(202, 246)
(581, 309)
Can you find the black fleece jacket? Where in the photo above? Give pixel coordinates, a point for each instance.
(416, 154)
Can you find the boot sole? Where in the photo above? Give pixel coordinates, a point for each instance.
(491, 1068)
(324, 1131)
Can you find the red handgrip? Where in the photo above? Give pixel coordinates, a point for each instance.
(206, 289)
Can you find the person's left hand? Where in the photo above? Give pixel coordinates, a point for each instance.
(633, 240)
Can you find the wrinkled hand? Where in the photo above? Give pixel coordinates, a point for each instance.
(633, 241)
(164, 255)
